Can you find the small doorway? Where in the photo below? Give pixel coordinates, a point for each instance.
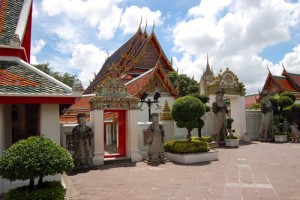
(25, 121)
(114, 133)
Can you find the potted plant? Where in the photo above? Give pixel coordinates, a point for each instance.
(194, 151)
(231, 140)
(280, 136)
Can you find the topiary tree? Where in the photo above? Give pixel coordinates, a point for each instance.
(204, 99)
(187, 111)
(34, 157)
(283, 105)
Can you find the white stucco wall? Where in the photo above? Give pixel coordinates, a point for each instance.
(49, 122)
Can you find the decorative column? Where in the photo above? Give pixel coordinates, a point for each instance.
(2, 138)
(167, 122)
(98, 128)
(133, 134)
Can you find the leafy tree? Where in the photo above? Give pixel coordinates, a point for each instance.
(255, 106)
(283, 105)
(34, 157)
(204, 99)
(185, 84)
(66, 78)
(187, 111)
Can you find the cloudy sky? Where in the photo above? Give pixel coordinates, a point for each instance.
(249, 36)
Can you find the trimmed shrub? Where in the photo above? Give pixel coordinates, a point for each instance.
(208, 139)
(280, 133)
(185, 146)
(187, 111)
(48, 191)
(284, 101)
(34, 157)
(231, 137)
(289, 94)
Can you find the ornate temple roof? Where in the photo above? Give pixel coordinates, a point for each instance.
(136, 56)
(228, 81)
(154, 80)
(286, 82)
(20, 78)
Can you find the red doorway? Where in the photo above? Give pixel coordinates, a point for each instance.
(114, 133)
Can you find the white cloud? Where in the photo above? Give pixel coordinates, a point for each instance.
(132, 17)
(35, 11)
(33, 60)
(37, 46)
(88, 59)
(291, 60)
(104, 15)
(233, 33)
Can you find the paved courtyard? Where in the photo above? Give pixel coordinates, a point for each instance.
(252, 171)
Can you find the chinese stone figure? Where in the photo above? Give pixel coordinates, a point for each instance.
(82, 142)
(220, 111)
(266, 128)
(156, 136)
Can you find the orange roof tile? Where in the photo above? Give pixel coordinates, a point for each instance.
(2, 15)
(138, 84)
(249, 100)
(81, 106)
(286, 85)
(9, 79)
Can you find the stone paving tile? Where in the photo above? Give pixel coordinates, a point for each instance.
(255, 171)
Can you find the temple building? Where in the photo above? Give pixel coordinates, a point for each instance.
(131, 84)
(30, 100)
(286, 82)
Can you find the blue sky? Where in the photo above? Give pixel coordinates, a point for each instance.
(248, 36)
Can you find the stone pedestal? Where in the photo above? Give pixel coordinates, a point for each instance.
(98, 159)
(136, 156)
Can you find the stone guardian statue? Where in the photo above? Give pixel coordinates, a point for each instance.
(156, 134)
(266, 128)
(82, 137)
(220, 111)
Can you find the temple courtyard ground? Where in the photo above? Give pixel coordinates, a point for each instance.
(252, 171)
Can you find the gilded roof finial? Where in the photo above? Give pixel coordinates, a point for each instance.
(153, 26)
(145, 26)
(141, 22)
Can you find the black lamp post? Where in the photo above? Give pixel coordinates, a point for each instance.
(149, 102)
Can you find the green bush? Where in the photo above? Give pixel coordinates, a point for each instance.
(287, 113)
(204, 138)
(280, 133)
(284, 101)
(49, 191)
(296, 108)
(187, 111)
(185, 146)
(34, 157)
(289, 94)
(231, 137)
